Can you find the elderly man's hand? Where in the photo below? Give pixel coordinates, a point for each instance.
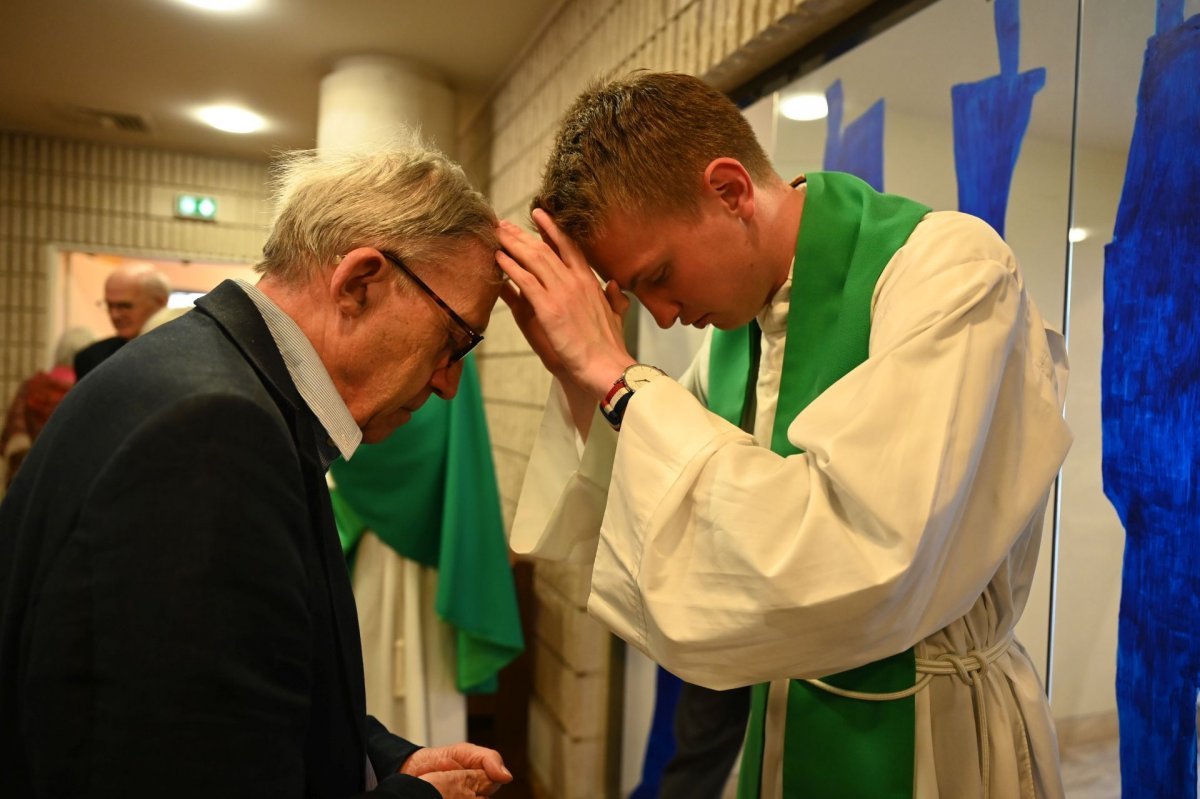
(459, 770)
(573, 324)
(462, 784)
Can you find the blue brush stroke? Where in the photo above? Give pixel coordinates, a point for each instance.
(1150, 404)
(1007, 16)
(990, 121)
(991, 118)
(857, 149)
(1169, 16)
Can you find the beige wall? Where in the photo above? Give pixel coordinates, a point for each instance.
(59, 194)
(726, 42)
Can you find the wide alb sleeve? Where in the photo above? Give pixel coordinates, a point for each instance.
(565, 489)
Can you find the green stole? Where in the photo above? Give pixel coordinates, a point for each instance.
(833, 746)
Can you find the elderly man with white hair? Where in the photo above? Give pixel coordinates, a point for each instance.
(175, 614)
(132, 294)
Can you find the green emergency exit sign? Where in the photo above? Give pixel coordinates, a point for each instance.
(196, 206)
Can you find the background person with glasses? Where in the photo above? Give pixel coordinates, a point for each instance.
(132, 295)
(198, 606)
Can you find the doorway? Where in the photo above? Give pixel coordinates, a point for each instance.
(76, 296)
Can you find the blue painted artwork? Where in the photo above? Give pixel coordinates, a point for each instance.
(857, 148)
(1150, 403)
(990, 120)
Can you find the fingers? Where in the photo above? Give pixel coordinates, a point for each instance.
(461, 783)
(476, 756)
(510, 294)
(427, 760)
(554, 258)
(616, 298)
(563, 244)
(526, 282)
(533, 255)
(493, 765)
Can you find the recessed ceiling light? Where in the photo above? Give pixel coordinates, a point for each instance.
(231, 119)
(804, 107)
(222, 6)
(1077, 234)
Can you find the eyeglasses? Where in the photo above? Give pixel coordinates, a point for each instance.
(472, 338)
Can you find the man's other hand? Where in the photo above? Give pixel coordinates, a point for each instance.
(461, 784)
(459, 770)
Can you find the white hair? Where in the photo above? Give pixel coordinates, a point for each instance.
(70, 342)
(402, 197)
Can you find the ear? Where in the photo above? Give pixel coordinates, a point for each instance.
(727, 181)
(354, 276)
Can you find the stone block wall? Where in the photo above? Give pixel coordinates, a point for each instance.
(59, 194)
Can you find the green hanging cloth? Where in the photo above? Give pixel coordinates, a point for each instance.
(429, 492)
(833, 746)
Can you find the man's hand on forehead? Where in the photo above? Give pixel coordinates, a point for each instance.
(573, 324)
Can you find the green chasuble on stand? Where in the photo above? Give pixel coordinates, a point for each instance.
(429, 492)
(834, 747)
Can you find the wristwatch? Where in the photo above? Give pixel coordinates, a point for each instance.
(634, 377)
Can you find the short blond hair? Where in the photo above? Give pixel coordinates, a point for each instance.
(404, 197)
(641, 143)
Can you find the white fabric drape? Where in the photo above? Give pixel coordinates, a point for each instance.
(408, 651)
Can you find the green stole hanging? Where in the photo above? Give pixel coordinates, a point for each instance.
(833, 746)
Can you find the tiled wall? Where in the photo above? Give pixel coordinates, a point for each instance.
(58, 193)
(726, 42)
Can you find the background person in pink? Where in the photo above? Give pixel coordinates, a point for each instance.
(37, 397)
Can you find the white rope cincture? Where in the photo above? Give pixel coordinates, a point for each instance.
(969, 668)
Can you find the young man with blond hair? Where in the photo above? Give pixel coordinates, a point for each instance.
(841, 500)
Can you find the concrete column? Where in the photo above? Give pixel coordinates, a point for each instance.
(371, 98)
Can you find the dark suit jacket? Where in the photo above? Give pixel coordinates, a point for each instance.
(175, 614)
(96, 353)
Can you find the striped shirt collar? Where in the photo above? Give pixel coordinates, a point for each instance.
(311, 378)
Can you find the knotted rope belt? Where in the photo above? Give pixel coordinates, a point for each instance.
(970, 668)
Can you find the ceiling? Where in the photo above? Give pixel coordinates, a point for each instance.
(157, 60)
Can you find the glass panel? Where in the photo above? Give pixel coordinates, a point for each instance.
(949, 54)
(1152, 280)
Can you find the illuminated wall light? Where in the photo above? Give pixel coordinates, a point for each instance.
(231, 119)
(804, 107)
(222, 6)
(1077, 234)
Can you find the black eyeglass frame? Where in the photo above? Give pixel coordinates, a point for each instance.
(473, 338)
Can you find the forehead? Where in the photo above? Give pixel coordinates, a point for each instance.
(117, 283)
(467, 279)
(630, 244)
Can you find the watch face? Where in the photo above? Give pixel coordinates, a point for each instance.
(640, 374)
